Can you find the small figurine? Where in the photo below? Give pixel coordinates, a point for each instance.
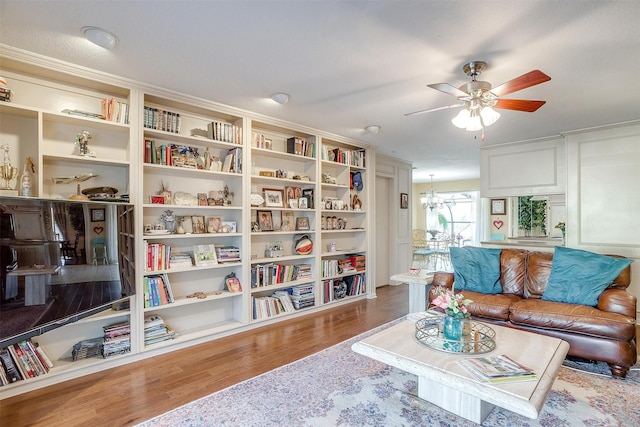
(7, 171)
(82, 141)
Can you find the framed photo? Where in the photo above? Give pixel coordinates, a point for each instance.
(288, 221)
(498, 206)
(404, 201)
(290, 194)
(303, 203)
(202, 199)
(273, 197)
(293, 203)
(228, 226)
(302, 223)
(187, 224)
(97, 215)
(204, 255)
(265, 220)
(198, 224)
(233, 284)
(213, 224)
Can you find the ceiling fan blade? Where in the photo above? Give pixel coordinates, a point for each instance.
(446, 107)
(448, 89)
(519, 105)
(532, 78)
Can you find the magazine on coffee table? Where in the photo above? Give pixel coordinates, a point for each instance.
(497, 369)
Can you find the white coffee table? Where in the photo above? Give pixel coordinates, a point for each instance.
(443, 382)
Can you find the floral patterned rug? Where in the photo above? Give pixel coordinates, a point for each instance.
(337, 387)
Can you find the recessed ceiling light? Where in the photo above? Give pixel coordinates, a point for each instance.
(280, 97)
(373, 128)
(100, 37)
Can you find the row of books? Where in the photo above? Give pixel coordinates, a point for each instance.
(22, 361)
(5, 94)
(348, 286)
(115, 111)
(158, 119)
(301, 147)
(224, 132)
(182, 156)
(156, 330)
(283, 301)
(157, 291)
(158, 256)
(273, 274)
(116, 339)
(233, 161)
(335, 267)
(345, 156)
(497, 369)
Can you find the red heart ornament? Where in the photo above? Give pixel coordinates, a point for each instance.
(99, 230)
(498, 223)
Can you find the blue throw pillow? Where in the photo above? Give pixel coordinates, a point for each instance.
(579, 277)
(476, 269)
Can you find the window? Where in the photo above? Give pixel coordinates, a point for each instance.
(457, 217)
(531, 212)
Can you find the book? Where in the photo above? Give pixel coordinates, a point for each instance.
(497, 369)
(233, 284)
(204, 255)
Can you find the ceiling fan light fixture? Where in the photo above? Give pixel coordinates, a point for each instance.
(100, 37)
(489, 116)
(461, 119)
(474, 123)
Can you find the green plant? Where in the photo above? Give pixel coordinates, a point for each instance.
(532, 214)
(76, 217)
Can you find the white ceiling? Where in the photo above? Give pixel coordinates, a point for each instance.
(349, 64)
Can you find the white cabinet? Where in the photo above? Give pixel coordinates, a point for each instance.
(525, 168)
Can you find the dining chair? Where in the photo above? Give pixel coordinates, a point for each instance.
(421, 250)
(99, 250)
(442, 257)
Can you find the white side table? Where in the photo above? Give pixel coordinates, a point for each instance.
(418, 284)
(36, 283)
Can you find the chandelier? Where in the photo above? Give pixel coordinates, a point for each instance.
(431, 199)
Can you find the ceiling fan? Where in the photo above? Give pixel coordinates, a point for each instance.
(480, 99)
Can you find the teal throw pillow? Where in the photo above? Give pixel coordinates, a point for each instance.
(476, 269)
(579, 277)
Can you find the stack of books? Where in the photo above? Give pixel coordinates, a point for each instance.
(497, 369)
(5, 94)
(180, 260)
(302, 296)
(228, 253)
(155, 330)
(116, 339)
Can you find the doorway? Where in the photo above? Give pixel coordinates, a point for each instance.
(383, 229)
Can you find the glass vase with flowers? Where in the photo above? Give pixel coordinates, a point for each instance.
(455, 310)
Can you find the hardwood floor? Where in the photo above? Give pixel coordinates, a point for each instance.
(138, 391)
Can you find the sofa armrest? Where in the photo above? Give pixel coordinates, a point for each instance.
(440, 278)
(618, 301)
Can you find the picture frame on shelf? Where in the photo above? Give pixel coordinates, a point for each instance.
(302, 223)
(293, 203)
(404, 201)
(228, 226)
(97, 215)
(199, 226)
(288, 221)
(303, 203)
(213, 224)
(273, 197)
(265, 220)
(202, 199)
(290, 193)
(157, 200)
(187, 224)
(204, 255)
(498, 206)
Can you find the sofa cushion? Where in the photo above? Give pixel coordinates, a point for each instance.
(579, 277)
(490, 306)
(575, 319)
(476, 269)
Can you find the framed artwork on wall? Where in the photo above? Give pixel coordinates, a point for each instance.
(498, 206)
(404, 201)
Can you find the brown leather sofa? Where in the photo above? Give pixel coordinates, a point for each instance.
(606, 332)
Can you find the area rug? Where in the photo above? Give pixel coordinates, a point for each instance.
(337, 387)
